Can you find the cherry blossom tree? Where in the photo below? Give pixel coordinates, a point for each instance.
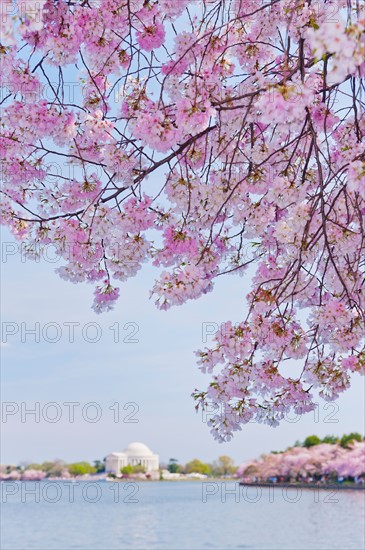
(14, 475)
(33, 475)
(210, 138)
(301, 463)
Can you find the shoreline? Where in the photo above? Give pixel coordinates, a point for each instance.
(326, 486)
(120, 480)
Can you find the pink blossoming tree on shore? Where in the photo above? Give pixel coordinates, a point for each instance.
(208, 137)
(300, 463)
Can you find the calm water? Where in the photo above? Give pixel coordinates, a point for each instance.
(177, 515)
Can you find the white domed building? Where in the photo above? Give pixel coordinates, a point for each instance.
(136, 454)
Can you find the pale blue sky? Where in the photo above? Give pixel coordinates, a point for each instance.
(158, 373)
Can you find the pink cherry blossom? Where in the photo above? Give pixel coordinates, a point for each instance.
(326, 461)
(229, 145)
(151, 37)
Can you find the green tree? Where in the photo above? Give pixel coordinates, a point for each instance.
(99, 466)
(311, 441)
(347, 439)
(331, 439)
(47, 466)
(224, 466)
(127, 470)
(198, 467)
(81, 468)
(139, 469)
(173, 466)
(55, 468)
(34, 466)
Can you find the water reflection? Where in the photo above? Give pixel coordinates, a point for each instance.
(176, 515)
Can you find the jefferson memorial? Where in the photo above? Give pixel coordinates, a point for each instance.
(136, 454)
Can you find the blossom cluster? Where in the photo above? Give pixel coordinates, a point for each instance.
(303, 463)
(185, 134)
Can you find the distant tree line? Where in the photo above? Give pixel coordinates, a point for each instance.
(224, 466)
(345, 441)
(326, 460)
(59, 468)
